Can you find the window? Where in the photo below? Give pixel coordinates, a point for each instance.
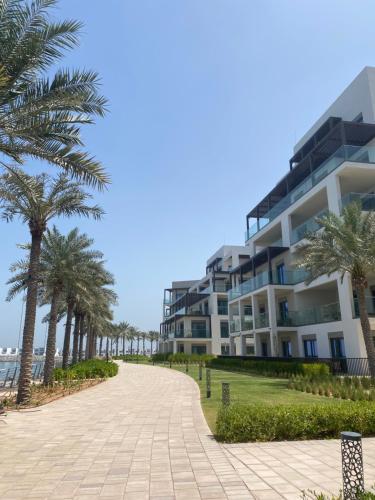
(286, 348)
(198, 329)
(248, 310)
(206, 308)
(180, 348)
(337, 347)
(225, 350)
(250, 351)
(222, 306)
(283, 309)
(280, 273)
(224, 329)
(264, 349)
(310, 348)
(198, 349)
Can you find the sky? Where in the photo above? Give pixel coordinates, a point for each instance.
(207, 99)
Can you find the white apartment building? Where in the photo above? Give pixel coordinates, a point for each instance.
(271, 311)
(269, 303)
(195, 312)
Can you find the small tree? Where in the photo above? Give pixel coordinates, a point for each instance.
(346, 245)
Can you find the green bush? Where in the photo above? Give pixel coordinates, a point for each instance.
(92, 368)
(243, 423)
(269, 367)
(139, 358)
(181, 357)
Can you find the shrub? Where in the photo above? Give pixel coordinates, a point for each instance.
(270, 368)
(92, 368)
(139, 358)
(243, 423)
(181, 357)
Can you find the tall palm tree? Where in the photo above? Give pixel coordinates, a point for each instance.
(346, 245)
(41, 116)
(131, 334)
(35, 200)
(137, 334)
(153, 336)
(144, 337)
(123, 329)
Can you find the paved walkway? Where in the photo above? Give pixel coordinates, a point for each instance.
(142, 435)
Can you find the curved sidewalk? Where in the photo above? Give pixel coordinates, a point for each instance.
(142, 435)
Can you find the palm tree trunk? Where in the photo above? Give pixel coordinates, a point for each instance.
(143, 340)
(77, 320)
(81, 335)
(151, 342)
(106, 348)
(111, 346)
(366, 329)
(123, 345)
(51, 339)
(100, 345)
(68, 328)
(137, 346)
(131, 346)
(88, 343)
(24, 381)
(117, 342)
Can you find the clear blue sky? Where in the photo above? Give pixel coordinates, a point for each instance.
(207, 99)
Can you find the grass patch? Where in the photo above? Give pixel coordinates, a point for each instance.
(246, 389)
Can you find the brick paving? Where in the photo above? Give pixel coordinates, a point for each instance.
(142, 435)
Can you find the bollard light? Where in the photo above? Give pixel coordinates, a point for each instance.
(187, 367)
(352, 465)
(200, 371)
(208, 382)
(225, 393)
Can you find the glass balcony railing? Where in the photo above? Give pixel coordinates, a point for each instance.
(247, 323)
(367, 200)
(361, 154)
(193, 334)
(311, 316)
(286, 277)
(262, 320)
(235, 325)
(309, 226)
(370, 306)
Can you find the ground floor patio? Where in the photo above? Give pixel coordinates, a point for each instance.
(142, 435)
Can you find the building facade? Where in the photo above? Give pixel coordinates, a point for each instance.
(332, 165)
(195, 312)
(270, 310)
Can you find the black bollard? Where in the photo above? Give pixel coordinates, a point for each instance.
(225, 393)
(208, 382)
(352, 465)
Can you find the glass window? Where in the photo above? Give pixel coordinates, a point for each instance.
(286, 348)
(222, 306)
(337, 347)
(225, 350)
(310, 348)
(264, 348)
(248, 310)
(283, 309)
(250, 351)
(224, 329)
(180, 348)
(280, 272)
(198, 349)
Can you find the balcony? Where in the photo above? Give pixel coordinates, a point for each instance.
(311, 316)
(235, 325)
(193, 334)
(262, 320)
(366, 200)
(360, 154)
(287, 277)
(247, 323)
(309, 226)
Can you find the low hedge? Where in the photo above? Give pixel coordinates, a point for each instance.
(181, 357)
(269, 367)
(244, 423)
(139, 358)
(92, 368)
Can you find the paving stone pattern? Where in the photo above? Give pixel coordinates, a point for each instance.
(142, 435)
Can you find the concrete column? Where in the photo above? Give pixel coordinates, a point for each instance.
(286, 230)
(232, 349)
(334, 194)
(174, 347)
(258, 350)
(272, 320)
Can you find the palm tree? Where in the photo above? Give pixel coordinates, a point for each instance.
(153, 336)
(137, 334)
(131, 334)
(144, 337)
(347, 246)
(36, 200)
(41, 116)
(123, 329)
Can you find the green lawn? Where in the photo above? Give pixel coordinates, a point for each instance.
(246, 389)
